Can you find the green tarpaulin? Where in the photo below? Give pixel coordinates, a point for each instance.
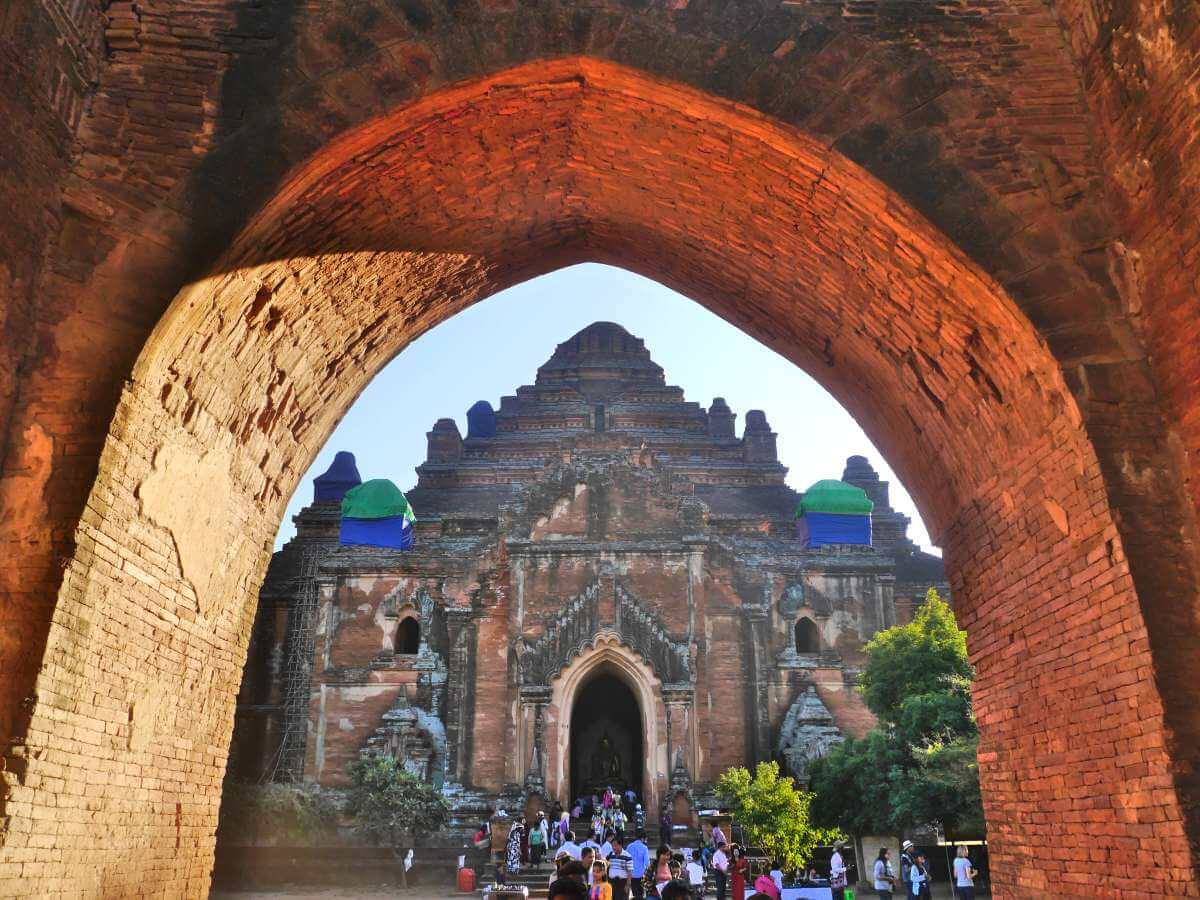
(837, 497)
(378, 498)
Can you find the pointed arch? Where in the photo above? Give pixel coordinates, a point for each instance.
(607, 654)
(408, 635)
(808, 636)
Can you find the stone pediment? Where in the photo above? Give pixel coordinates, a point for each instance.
(578, 626)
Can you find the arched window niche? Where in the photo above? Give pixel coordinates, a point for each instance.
(408, 636)
(808, 637)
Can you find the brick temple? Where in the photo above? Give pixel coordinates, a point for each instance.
(606, 588)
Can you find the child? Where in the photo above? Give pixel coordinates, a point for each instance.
(600, 889)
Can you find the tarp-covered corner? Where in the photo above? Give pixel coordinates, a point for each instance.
(833, 512)
(377, 514)
(836, 497)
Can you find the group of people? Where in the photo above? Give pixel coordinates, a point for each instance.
(605, 867)
(612, 870)
(608, 811)
(615, 870)
(914, 880)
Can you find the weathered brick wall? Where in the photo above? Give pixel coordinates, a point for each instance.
(989, 137)
(48, 66)
(1138, 64)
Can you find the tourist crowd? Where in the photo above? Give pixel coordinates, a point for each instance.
(606, 867)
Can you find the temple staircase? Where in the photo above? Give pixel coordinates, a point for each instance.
(537, 878)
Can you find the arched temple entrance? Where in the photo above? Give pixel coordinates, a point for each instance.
(584, 690)
(606, 740)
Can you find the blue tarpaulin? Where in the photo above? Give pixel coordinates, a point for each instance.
(341, 476)
(392, 531)
(819, 529)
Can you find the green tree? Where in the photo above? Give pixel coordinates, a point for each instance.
(946, 787)
(390, 806)
(773, 813)
(926, 656)
(855, 784)
(920, 765)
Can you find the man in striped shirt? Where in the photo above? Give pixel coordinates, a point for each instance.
(620, 868)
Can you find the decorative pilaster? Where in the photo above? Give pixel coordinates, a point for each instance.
(534, 699)
(758, 726)
(460, 630)
(678, 700)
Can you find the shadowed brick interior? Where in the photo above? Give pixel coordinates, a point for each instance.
(978, 230)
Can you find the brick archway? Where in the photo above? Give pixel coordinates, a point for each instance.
(414, 215)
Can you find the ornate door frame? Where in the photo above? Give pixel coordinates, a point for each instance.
(607, 652)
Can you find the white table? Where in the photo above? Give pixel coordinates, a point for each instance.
(807, 893)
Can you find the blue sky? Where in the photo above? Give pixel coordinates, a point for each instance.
(497, 345)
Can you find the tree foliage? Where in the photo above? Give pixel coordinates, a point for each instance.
(854, 785)
(919, 767)
(278, 813)
(946, 787)
(388, 803)
(925, 657)
(773, 813)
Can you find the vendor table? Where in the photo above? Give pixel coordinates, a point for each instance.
(807, 893)
(511, 892)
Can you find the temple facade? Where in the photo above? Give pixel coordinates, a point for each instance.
(606, 587)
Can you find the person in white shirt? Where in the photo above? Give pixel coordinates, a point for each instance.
(777, 877)
(964, 875)
(572, 848)
(695, 874)
(884, 875)
(590, 842)
(720, 864)
(837, 872)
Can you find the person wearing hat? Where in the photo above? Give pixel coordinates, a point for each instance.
(837, 872)
(906, 862)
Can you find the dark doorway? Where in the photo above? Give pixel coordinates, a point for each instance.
(408, 636)
(808, 637)
(607, 745)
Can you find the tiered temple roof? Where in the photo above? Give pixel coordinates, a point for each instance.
(600, 392)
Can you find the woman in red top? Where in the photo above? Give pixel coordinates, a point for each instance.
(738, 870)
